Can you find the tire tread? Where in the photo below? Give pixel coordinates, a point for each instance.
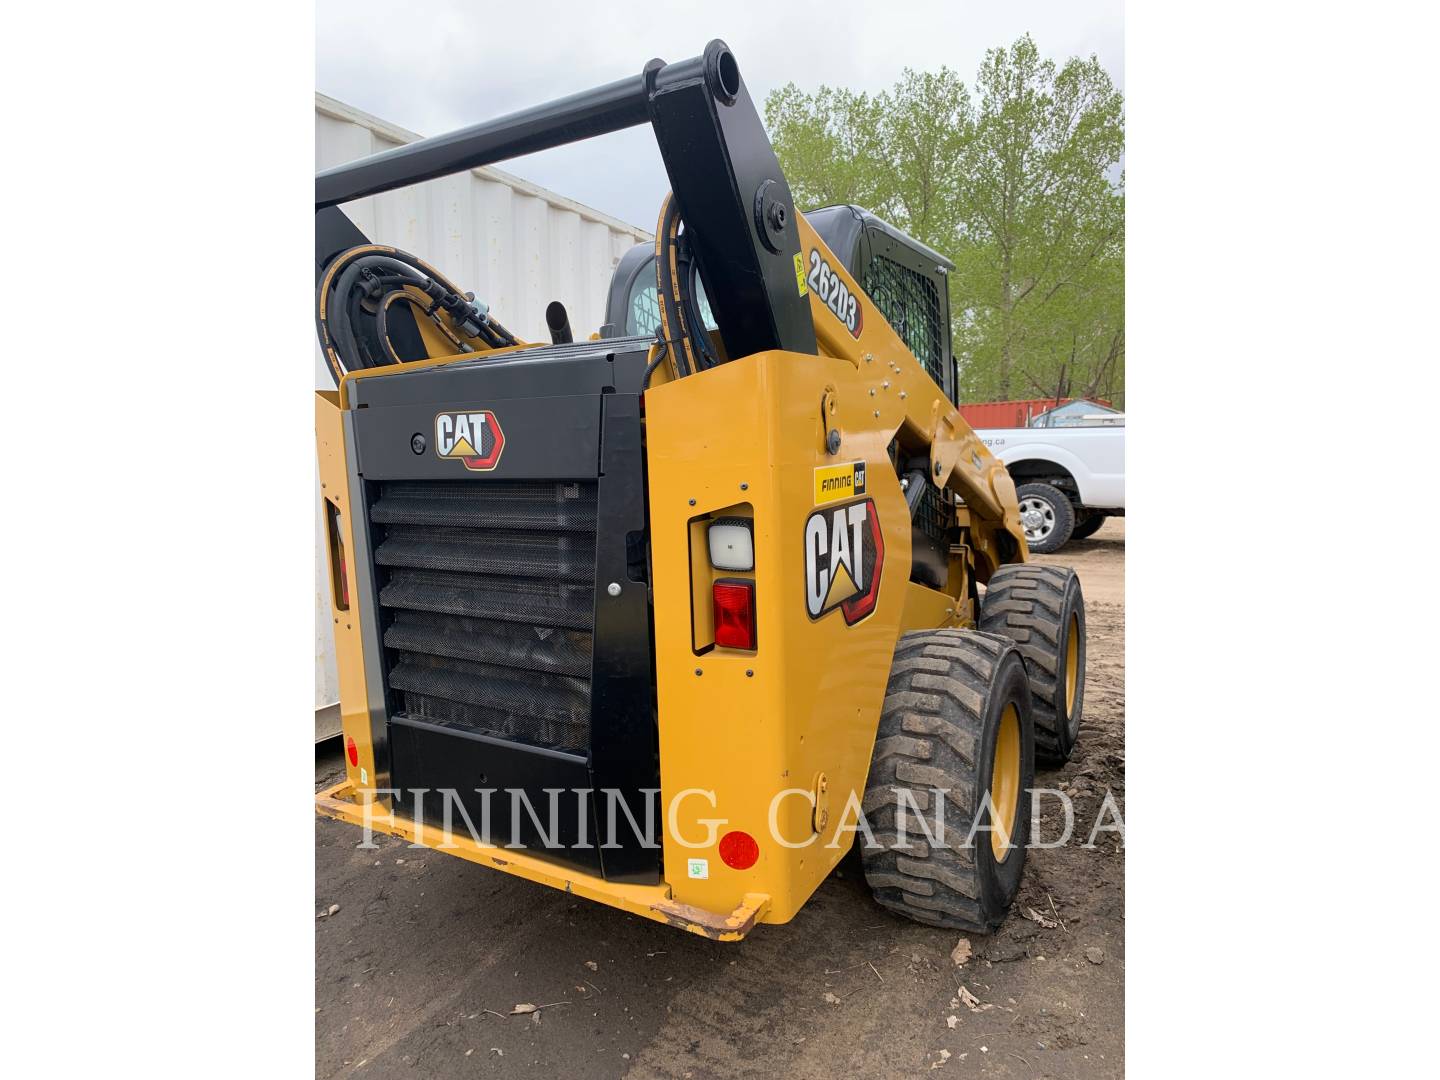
(1026, 604)
(930, 734)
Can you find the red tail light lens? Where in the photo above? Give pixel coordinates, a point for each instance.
(735, 614)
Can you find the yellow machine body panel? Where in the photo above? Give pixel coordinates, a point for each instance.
(758, 730)
(780, 737)
(349, 656)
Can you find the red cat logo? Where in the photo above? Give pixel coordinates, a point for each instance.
(844, 554)
(472, 438)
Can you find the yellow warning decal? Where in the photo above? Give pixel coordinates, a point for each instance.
(835, 482)
(800, 274)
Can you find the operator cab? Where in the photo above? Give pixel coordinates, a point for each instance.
(904, 278)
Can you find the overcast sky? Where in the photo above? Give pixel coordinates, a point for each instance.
(443, 64)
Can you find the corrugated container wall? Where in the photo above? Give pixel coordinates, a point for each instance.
(1011, 414)
(515, 244)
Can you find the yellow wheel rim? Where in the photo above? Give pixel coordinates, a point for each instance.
(1005, 783)
(1072, 664)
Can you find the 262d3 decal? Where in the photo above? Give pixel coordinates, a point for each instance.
(472, 438)
(834, 293)
(844, 554)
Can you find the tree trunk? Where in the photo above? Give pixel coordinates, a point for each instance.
(1007, 321)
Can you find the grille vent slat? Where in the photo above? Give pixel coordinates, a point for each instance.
(531, 648)
(551, 697)
(511, 505)
(487, 591)
(512, 553)
(484, 597)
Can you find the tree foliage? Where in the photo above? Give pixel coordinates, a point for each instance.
(1016, 180)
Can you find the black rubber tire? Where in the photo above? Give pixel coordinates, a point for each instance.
(1064, 516)
(1039, 608)
(948, 691)
(1087, 526)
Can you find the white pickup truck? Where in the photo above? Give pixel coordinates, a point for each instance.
(1069, 479)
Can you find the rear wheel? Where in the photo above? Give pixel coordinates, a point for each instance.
(1047, 517)
(956, 727)
(1042, 610)
(1088, 525)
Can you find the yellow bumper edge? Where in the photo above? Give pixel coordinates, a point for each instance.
(651, 901)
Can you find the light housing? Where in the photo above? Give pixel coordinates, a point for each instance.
(734, 604)
(732, 544)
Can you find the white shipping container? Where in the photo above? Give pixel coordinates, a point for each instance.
(515, 244)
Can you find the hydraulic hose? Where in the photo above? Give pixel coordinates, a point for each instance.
(357, 290)
(676, 285)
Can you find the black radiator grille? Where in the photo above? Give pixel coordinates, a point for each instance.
(487, 595)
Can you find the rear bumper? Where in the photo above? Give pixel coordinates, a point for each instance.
(651, 901)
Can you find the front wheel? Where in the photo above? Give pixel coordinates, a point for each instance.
(1047, 517)
(1042, 610)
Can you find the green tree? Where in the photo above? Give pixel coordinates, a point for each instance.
(1017, 184)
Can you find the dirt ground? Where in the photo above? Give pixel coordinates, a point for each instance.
(424, 944)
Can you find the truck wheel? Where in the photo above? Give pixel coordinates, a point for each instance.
(1047, 516)
(1088, 525)
(1042, 610)
(955, 726)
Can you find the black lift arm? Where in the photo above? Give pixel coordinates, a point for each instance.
(733, 198)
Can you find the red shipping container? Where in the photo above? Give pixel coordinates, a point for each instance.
(1011, 414)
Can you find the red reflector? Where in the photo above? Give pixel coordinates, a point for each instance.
(351, 750)
(738, 850)
(735, 614)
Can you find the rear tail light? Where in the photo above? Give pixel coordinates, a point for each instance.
(735, 614)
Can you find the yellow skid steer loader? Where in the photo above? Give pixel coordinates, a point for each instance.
(672, 617)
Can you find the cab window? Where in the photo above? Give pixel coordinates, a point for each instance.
(642, 313)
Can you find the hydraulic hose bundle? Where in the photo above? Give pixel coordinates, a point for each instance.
(683, 336)
(372, 300)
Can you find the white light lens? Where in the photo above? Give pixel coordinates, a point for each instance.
(731, 546)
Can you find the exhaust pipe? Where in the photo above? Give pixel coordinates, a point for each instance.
(559, 322)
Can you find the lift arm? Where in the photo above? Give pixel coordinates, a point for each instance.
(723, 171)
